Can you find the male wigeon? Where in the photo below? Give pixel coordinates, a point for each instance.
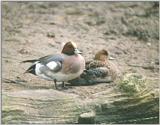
(98, 70)
(62, 67)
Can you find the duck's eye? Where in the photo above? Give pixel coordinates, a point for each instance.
(105, 53)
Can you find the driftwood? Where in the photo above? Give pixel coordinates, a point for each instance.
(150, 67)
(51, 106)
(140, 110)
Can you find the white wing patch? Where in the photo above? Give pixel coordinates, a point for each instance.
(39, 70)
(52, 65)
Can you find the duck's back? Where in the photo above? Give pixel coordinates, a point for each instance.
(108, 67)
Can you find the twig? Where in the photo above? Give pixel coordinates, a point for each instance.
(144, 67)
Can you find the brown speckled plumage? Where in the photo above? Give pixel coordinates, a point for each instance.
(99, 70)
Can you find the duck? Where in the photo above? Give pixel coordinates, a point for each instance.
(98, 70)
(62, 67)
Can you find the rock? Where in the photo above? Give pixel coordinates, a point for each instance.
(148, 44)
(50, 35)
(23, 51)
(157, 61)
(87, 118)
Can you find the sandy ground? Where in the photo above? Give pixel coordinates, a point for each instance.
(128, 30)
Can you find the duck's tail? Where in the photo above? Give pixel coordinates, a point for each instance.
(31, 69)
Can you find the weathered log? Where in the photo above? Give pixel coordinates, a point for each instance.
(143, 109)
(40, 107)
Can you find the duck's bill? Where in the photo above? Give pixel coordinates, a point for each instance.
(76, 51)
(111, 58)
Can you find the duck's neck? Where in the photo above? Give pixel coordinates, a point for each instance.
(103, 58)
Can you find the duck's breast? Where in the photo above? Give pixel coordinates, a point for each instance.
(73, 64)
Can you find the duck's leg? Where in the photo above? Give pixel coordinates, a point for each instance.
(63, 86)
(55, 82)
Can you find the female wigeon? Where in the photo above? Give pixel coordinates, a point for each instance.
(99, 70)
(62, 67)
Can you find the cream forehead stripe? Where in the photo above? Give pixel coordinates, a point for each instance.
(74, 44)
